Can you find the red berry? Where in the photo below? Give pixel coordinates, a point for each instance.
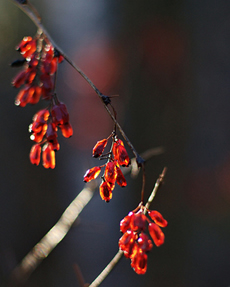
(92, 173)
(138, 222)
(125, 223)
(19, 79)
(158, 218)
(105, 191)
(67, 130)
(36, 95)
(51, 132)
(24, 96)
(99, 147)
(144, 242)
(60, 114)
(120, 153)
(127, 242)
(156, 234)
(139, 261)
(120, 178)
(110, 172)
(48, 156)
(35, 154)
(27, 47)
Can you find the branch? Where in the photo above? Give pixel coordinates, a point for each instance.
(55, 235)
(44, 247)
(32, 13)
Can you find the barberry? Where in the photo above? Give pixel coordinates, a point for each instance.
(135, 243)
(115, 157)
(40, 62)
(99, 147)
(92, 173)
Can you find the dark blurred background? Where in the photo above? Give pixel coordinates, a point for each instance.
(169, 62)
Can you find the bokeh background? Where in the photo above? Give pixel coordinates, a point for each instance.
(169, 62)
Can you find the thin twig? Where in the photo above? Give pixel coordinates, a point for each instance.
(156, 187)
(29, 11)
(101, 277)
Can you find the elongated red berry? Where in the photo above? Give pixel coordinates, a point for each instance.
(139, 260)
(125, 222)
(120, 153)
(99, 147)
(38, 137)
(120, 178)
(19, 79)
(126, 242)
(92, 173)
(48, 156)
(36, 95)
(27, 46)
(51, 132)
(41, 116)
(122, 156)
(105, 191)
(158, 218)
(156, 234)
(24, 96)
(110, 172)
(138, 222)
(35, 154)
(67, 130)
(144, 242)
(60, 114)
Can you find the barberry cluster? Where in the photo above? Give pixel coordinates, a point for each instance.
(117, 157)
(135, 243)
(40, 62)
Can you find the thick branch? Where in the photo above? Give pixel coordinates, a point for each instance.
(46, 245)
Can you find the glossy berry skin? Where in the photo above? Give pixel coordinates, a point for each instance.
(120, 153)
(120, 178)
(138, 222)
(158, 218)
(92, 173)
(24, 96)
(144, 242)
(139, 260)
(105, 191)
(27, 46)
(127, 242)
(67, 130)
(110, 172)
(35, 154)
(36, 95)
(60, 114)
(48, 156)
(99, 148)
(156, 234)
(125, 222)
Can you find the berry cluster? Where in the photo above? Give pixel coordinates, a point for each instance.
(117, 157)
(135, 243)
(40, 62)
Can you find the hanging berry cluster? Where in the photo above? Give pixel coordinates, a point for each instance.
(135, 243)
(37, 80)
(117, 157)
